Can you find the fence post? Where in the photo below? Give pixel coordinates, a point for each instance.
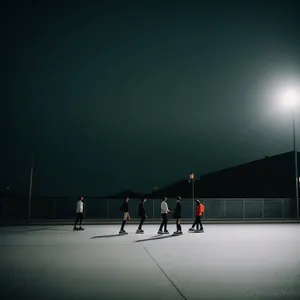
(282, 207)
(54, 208)
(108, 202)
(263, 208)
(2, 207)
(224, 215)
(153, 209)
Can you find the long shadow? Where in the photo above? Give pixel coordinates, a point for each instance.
(62, 230)
(46, 228)
(36, 229)
(107, 236)
(153, 238)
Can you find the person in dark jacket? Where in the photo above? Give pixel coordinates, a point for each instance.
(177, 216)
(126, 215)
(142, 215)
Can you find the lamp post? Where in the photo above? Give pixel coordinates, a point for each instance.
(30, 186)
(296, 164)
(291, 99)
(192, 180)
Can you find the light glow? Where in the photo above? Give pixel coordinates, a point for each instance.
(291, 98)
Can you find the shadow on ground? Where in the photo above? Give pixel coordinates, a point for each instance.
(107, 236)
(48, 229)
(157, 237)
(36, 229)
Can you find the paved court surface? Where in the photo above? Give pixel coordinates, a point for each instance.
(235, 261)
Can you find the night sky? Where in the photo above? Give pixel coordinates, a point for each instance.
(114, 95)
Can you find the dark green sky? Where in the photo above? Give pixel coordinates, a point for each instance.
(136, 94)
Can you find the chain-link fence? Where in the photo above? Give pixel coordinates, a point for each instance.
(102, 208)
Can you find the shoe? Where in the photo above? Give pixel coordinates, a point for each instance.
(140, 231)
(166, 232)
(191, 229)
(160, 232)
(177, 233)
(75, 228)
(80, 228)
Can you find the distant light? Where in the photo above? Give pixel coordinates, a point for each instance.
(192, 176)
(291, 98)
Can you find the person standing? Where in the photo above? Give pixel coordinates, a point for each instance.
(199, 212)
(164, 211)
(177, 216)
(126, 215)
(79, 213)
(142, 215)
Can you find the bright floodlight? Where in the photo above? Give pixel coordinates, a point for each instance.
(291, 98)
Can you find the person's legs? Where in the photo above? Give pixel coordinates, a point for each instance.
(198, 221)
(162, 223)
(179, 225)
(77, 219)
(122, 226)
(124, 222)
(165, 222)
(80, 219)
(194, 224)
(141, 222)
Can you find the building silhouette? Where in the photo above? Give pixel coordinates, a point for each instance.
(270, 177)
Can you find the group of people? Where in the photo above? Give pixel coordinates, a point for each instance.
(143, 215)
(164, 213)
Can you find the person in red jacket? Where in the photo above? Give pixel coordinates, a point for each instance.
(199, 212)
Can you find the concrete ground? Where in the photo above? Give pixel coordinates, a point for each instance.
(232, 261)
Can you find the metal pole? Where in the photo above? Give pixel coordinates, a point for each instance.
(296, 164)
(54, 207)
(30, 187)
(193, 193)
(108, 208)
(153, 209)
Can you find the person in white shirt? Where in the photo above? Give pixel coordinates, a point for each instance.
(164, 211)
(79, 213)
